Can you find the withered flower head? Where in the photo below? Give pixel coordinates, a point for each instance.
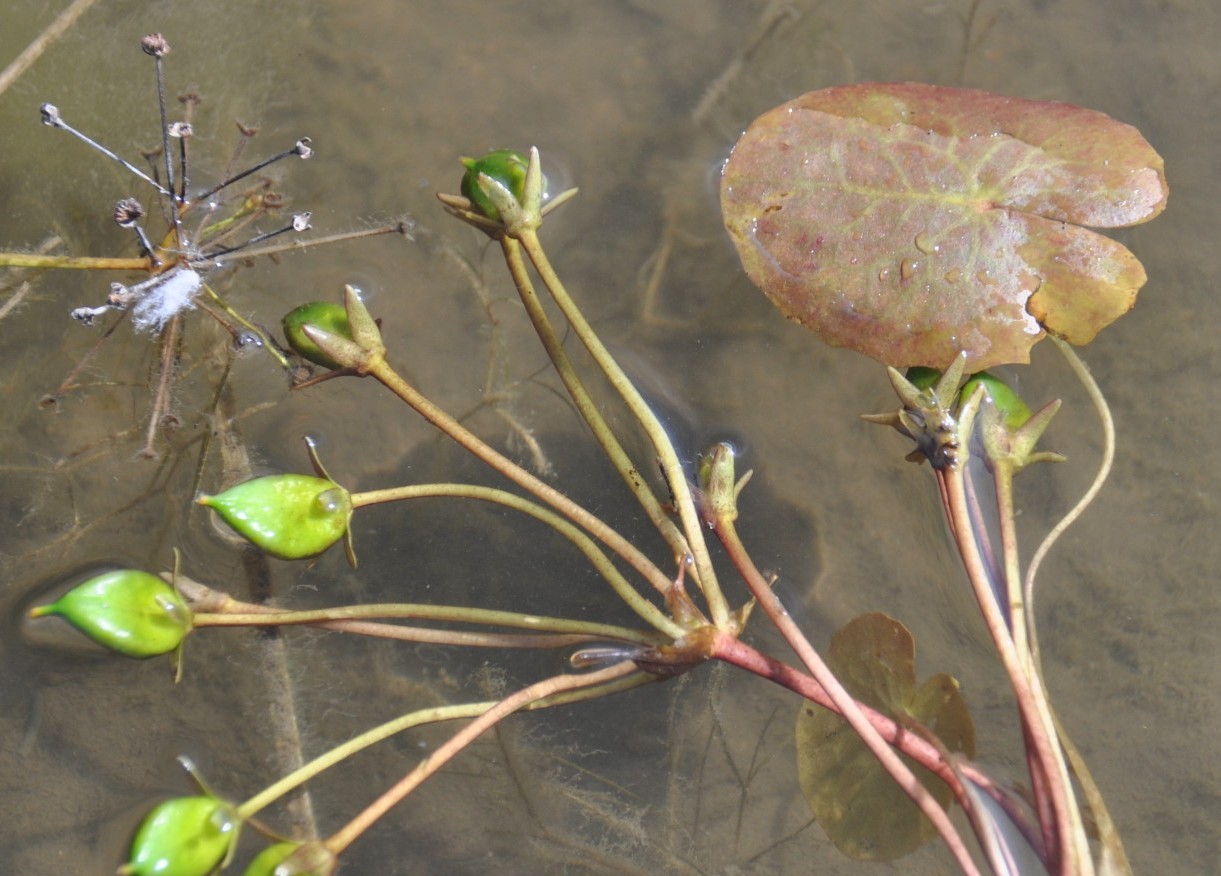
(155, 44)
(128, 212)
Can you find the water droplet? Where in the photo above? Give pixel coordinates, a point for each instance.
(953, 275)
(328, 501)
(884, 274)
(926, 244)
(908, 268)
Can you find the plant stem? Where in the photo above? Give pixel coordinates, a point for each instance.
(731, 650)
(268, 344)
(845, 704)
(1044, 759)
(305, 243)
(414, 719)
(585, 405)
(667, 457)
(88, 263)
(578, 631)
(42, 42)
(624, 590)
(1113, 855)
(550, 687)
(623, 548)
(1104, 470)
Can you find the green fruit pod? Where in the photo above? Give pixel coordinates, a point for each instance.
(126, 610)
(330, 316)
(289, 516)
(186, 836)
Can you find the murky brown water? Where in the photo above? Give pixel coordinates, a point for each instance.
(636, 102)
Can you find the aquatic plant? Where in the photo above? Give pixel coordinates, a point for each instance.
(865, 726)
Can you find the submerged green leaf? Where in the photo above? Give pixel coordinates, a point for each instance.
(857, 803)
(911, 222)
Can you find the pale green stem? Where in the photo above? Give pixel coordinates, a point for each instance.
(623, 548)
(1002, 477)
(1113, 853)
(602, 432)
(1104, 470)
(653, 616)
(567, 631)
(667, 457)
(591, 682)
(415, 719)
(844, 702)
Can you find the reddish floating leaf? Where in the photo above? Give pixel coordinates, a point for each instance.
(911, 222)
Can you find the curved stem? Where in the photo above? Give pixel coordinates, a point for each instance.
(667, 457)
(1104, 470)
(550, 687)
(414, 719)
(623, 548)
(1112, 844)
(589, 412)
(624, 590)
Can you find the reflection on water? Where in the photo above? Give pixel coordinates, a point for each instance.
(638, 101)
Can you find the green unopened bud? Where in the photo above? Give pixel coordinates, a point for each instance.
(505, 167)
(330, 316)
(1014, 411)
(290, 516)
(716, 480)
(127, 610)
(186, 836)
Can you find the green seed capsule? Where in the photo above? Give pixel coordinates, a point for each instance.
(127, 610)
(186, 836)
(505, 166)
(290, 516)
(327, 315)
(1014, 411)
